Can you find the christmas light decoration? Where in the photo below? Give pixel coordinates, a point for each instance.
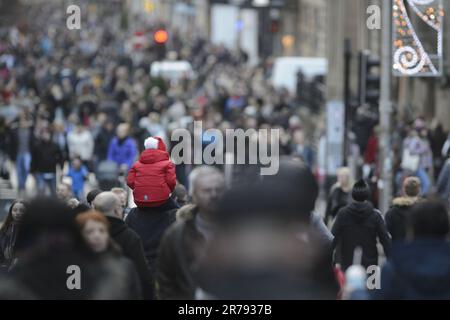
(409, 55)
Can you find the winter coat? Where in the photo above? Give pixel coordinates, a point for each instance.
(132, 248)
(396, 217)
(359, 225)
(153, 177)
(45, 157)
(81, 144)
(177, 254)
(150, 225)
(78, 178)
(337, 200)
(45, 275)
(7, 243)
(416, 270)
(102, 142)
(122, 152)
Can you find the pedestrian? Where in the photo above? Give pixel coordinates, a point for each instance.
(443, 182)
(397, 215)
(339, 194)
(94, 227)
(301, 148)
(8, 233)
(110, 205)
(180, 195)
(416, 158)
(150, 223)
(103, 139)
(81, 144)
(20, 148)
(48, 243)
(358, 225)
(184, 242)
(122, 148)
(46, 156)
(420, 267)
(264, 245)
(154, 162)
(78, 173)
(64, 192)
(90, 197)
(123, 197)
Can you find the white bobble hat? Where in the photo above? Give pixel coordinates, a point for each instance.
(151, 143)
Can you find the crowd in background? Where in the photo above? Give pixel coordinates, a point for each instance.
(73, 103)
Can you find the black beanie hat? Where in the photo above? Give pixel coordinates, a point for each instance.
(361, 191)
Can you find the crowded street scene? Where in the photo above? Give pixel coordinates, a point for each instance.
(224, 150)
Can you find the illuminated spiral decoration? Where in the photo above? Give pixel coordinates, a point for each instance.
(406, 60)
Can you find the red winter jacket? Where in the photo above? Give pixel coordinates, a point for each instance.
(153, 177)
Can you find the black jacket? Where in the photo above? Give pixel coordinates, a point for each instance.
(45, 156)
(177, 254)
(359, 225)
(416, 271)
(337, 200)
(150, 224)
(132, 248)
(396, 217)
(102, 143)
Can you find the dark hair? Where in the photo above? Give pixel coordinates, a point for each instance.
(429, 219)
(9, 218)
(361, 191)
(48, 218)
(90, 197)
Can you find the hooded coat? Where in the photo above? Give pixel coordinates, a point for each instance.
(153, 177)
(396, 217)
(359, 225)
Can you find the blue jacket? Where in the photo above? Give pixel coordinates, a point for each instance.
(78, 178)
(416, 271)
(122, 153)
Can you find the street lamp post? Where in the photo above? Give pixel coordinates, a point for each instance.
(385, 159)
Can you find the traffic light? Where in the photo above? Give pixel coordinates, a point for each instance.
(369, 79)
(160, 37)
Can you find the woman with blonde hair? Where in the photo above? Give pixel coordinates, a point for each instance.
(339, 194)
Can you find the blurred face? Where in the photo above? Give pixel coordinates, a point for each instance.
(18, 211)
(343, 179)
(123, 199)
(208, 190)
(46, 136)
(63, 192)
(122, 131)
(76, 163)
(96, 235)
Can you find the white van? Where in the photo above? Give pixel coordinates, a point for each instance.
(285, 69)
(172, 70)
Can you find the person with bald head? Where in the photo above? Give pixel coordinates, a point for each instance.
(110, 205)
(185, 241)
